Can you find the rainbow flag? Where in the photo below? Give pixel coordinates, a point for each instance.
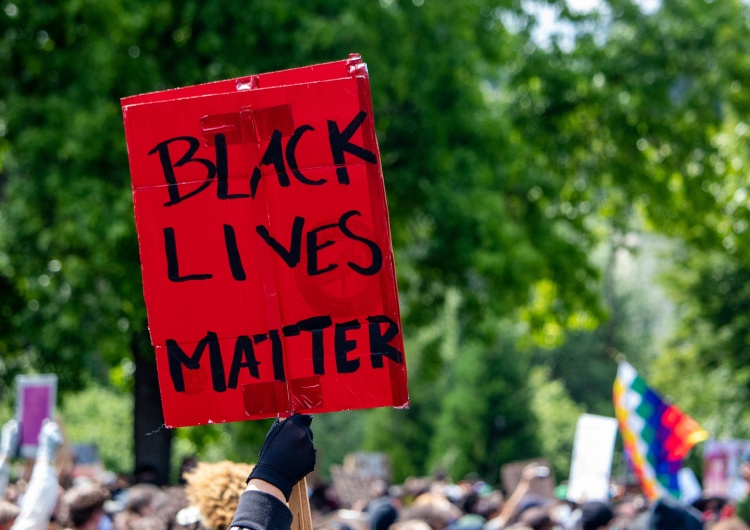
(656, 434)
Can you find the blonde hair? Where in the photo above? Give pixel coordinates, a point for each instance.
(215, 488)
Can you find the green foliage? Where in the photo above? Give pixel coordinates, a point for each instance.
(337, 434)
(238, 442)
(709, 350)
(557, 415)
(507, 164)
(638, 322)
(457, 189)
(469, 397)
(485, 412)
(399, 434)
(103, 417)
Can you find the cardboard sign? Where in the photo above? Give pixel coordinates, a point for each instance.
(593, 448)
(511, 477)
(265, 246)
(36, 396)
(373, 465)
(353, 489)
(86, 460)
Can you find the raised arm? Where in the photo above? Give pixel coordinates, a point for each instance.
(287, 455)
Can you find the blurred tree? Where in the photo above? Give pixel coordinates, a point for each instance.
(558, 416)
(634, 117)
(639, 323)
(486, 417)
(460, 215)
(709, 351)
(506, 161)
(103, 417)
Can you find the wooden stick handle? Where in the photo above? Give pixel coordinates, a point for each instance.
(299, 504)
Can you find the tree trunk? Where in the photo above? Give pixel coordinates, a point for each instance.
(153, 441)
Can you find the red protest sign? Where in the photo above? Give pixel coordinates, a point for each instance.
(265, 246)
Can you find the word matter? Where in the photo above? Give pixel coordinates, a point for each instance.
(245, 356)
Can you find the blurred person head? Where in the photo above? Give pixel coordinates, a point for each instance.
(536, 518)
(416, 486)
(382, 514)
(215, 489)
(668, 514)
(125, 520)
(169, 505)
(187, 464)
(595, 515)
(733, 523)
(435, 510)
(333, 525)
(82, 506)
(146, 501)
(412, 524)
(142, 499)
(150, 522)
(146, 474)
(8, 514)
(434, 517)
(530, 500)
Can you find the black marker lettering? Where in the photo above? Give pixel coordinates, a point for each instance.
(222, 170)
(312, 251)
(344, 346)
(340, 144)
(377, 254)
(291, 156)
(315, 326)
(244, 356)
(277, 356)
(168, 167)
(177, 359)
(273, 155)
(173, 266)
(233, 254)
(379, 342)
(292, 256)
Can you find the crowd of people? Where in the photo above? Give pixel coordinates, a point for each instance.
(223, 495)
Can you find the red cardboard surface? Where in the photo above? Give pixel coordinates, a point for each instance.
(265, 246)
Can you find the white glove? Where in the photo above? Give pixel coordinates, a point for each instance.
(50, 440)
(9, 439)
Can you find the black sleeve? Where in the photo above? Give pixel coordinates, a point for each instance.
(258, 510)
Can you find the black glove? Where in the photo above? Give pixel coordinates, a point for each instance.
(287, 454)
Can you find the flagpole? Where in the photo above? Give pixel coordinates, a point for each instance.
(615, 354)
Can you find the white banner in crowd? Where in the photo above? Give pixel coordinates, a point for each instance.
(721, 467)
(690, 488)
(593, 447)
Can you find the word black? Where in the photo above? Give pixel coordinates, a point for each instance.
(338, 141)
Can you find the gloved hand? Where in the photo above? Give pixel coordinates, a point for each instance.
(9, 439)
(50, 440)
(287, 454)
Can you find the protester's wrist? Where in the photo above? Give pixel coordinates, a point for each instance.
(257, 484)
